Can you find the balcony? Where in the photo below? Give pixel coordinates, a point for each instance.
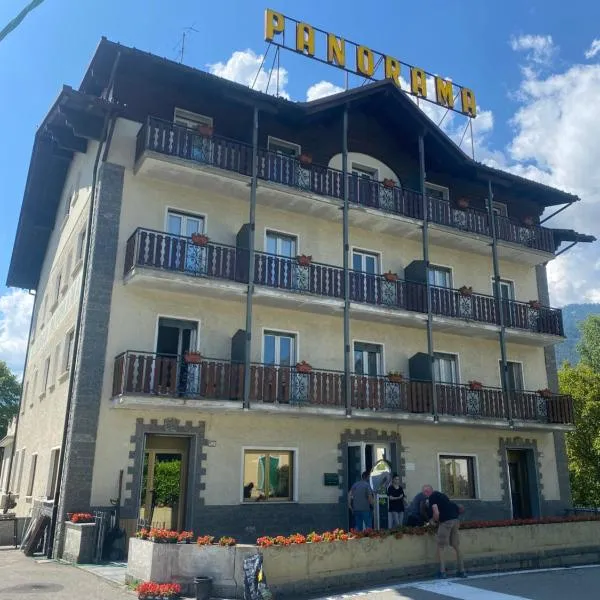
(175, 153)
(146, 379)
(175, 262)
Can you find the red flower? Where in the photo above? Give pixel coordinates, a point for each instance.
(205, 540)
(82, 518)
(227, 541)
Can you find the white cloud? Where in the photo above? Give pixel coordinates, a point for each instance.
(243, 66)
(539, 48)
(322, 89)
(593, 49)
(15, 316)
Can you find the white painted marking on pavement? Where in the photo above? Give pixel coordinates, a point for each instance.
(464, 592)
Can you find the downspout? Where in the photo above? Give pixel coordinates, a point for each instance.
(434, 398)
(346, 263)
(105, 138)
(251, 244)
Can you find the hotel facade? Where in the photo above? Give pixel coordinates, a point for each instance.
(371, 293)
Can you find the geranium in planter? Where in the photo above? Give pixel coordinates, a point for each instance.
(163, 536)
(463, 203)
(200, 239)
(303, 367)
(205, 540)
(545, 393)
(227, 541)
(185, 537)
(389, 276)
(82, 518)
(304, 260)
(305, 159)
(149, 590)
(395, 377)
(192, 358)
(389, 183)
(535, 304)
(475, 385)
(465, 290)
(142, 534)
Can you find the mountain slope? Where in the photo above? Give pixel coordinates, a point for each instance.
(572, 315)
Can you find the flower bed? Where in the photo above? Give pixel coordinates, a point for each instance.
(149, 590)
(82, 518)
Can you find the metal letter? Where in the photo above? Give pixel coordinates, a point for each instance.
(467, 99)
(363, 53)
(305, 39)
(336, 50)
(444, 94)
(274, 24)
(392, 69)
(418, 82)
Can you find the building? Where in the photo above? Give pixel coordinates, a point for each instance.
(140, 190)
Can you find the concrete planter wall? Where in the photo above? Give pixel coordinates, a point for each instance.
(80, 542)
(324, 566)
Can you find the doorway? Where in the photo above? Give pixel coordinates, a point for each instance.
(164, 482)
(523, 486)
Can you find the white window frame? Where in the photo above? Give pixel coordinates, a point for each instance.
(520, 362)
(280, 233)
(20, 475)
(373, 172)
(294, 451)
(503, 280)
(381, 344)
(439, 267)
(80, 247)
(440, 188)
(75, 190)
(46, 376)
(53, 474)
(193, 120)
(272, 140)
(68, 270)
(32, 473)
(457, 356)
(58, 282)
(185, 213)
(282, 333)
(476, 483)
(14, 474)
(68, 351)
(359, 250)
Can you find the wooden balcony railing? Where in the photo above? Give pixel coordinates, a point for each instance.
(158, 250)
(149, 374)
(168, 138)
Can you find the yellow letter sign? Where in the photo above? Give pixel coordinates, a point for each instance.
(467, 99)
(444, 95)
(336, 50)
(365, 64)
(274, 23)
(418, 82)
(305, 39)
(392, 69)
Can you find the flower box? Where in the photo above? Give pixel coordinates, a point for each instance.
(535, 304)
(200, 239)
(394, 377)
(149, 590)
(304, 260)
(305, 159)
(545, 393)
(475, 385)
(192, 358)
(185, 537)
(465, 290)
(81, 518)
(206, 130)
(303, 367)
(389, 276)
(463, 203)
(389, 183)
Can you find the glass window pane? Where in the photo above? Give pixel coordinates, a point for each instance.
(357, 261)
(287, 247)
(174, 224)
(370, 264)
(194, 225)
(358, 362)
(285, 351)
(457, 476)
(373, 358)
(268, 476)
(271, 244)
(269, 349)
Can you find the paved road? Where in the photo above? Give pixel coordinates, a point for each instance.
(582, 582)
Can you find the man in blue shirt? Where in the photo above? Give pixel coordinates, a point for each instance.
(360, 500)
(442, 510)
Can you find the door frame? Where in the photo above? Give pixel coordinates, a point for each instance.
(295, 334)
(177, 318)
(535, 496)
(380, 344)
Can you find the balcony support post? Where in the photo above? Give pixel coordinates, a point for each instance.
(250, 292)
(499, 306)
(346, 242)
(423, 177)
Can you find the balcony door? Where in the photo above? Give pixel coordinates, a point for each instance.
(186, 225)
(368, 359)
(279, 356)
(507, 297)
(363, 180)
(277, 269)
(175, 338)
(445, 368)
(365, 276)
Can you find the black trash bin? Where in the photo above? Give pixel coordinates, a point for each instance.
(203, 587)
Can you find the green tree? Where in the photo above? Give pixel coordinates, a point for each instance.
(167, 479)
(10, 393)
(589, 346)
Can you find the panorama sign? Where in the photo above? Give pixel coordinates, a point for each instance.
(366, 62)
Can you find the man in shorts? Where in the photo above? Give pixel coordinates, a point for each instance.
(442, 510)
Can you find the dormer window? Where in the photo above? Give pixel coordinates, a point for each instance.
(283, 147)
(191, 120)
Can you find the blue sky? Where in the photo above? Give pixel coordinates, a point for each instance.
(522, 86)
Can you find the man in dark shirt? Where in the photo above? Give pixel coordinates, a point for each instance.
(445, 512)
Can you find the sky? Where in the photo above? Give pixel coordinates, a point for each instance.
(534, 66)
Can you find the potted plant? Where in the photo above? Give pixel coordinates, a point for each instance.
(142, 534)
(303, 367)
(463, 203)
(206, 130)
(200, 239)
(227, 541)
(395, 377)
(82, 518)
(475, 385)
(304, 260)
(305, 158)
(185, 537)
(528, 221)
(465, 290)
(535, 304)
(205, 540)
(389, 276)
(192, 358)
(389, 183)
(545, 393)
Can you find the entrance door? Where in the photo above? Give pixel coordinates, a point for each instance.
(175, 338)
(164, 482)
(184, 225)
(520, 483)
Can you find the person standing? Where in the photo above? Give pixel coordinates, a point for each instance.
(414, 513)
(396, 503)
(442, 510)
(360, 501)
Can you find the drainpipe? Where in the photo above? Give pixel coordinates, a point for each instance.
(346, 243)
(250, 293)
(434, 398)
(498, 301)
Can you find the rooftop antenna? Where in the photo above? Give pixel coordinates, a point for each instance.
(185, 31)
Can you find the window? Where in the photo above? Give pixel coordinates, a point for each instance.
(68, 266)
(80, 246)
(55, 372)
(184, 224)
(53, 475)
(191, 120)
(279, 349)
(364, 172)
(499, 209)
(32, 470)
(34, 390)
(58, 288)
(457, 476)
(268, 476)
(75, 189)
(507, 289)
(68, 354)
(13, 476)
(283, 147)
(445, 368)
(368, 359)
(440, 276)
(365, 262)
(281, 244)
(46, 375)
(514, 376)
(20, 477)
(438, 192)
